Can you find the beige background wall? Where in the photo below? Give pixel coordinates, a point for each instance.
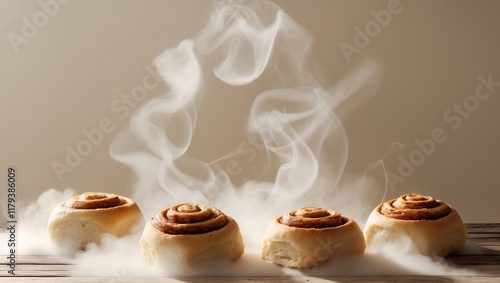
(71, 69)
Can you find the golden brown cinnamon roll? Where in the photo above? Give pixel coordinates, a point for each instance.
(433, 227)
(190, 234)
(81, 220)
(309, 236)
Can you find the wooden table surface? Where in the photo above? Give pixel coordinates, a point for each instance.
(38, 268)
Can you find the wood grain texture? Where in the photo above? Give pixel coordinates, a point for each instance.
(484, 238)
(479, 279)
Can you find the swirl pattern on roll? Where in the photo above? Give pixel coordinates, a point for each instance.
(93, 200)
(312, 217)
(415, 207)
(189, 218)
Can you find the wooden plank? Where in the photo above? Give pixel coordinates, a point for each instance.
(40, 267)
(477, 233)
(475, 260)
(44, 259)
(481, 236)
(37, 273)
(43, 270)
(472, 248)
(484, 270)
(486, 241)
(483, 279)
(481, 268)
(490, 249)
(483, 227)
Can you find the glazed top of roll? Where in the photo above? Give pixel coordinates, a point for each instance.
(312, 217)
(95, 200)
(189, 218)
(415, 207)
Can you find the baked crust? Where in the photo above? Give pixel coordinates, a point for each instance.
(431, 234)
(81, 220)
(195, 241)
(309, 246)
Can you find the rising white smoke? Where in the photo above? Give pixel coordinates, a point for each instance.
(296, 146)
(293, 147)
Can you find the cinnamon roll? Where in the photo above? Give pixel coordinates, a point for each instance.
(433, 227)
(81, 220)
(310, 236)
(190, 233)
